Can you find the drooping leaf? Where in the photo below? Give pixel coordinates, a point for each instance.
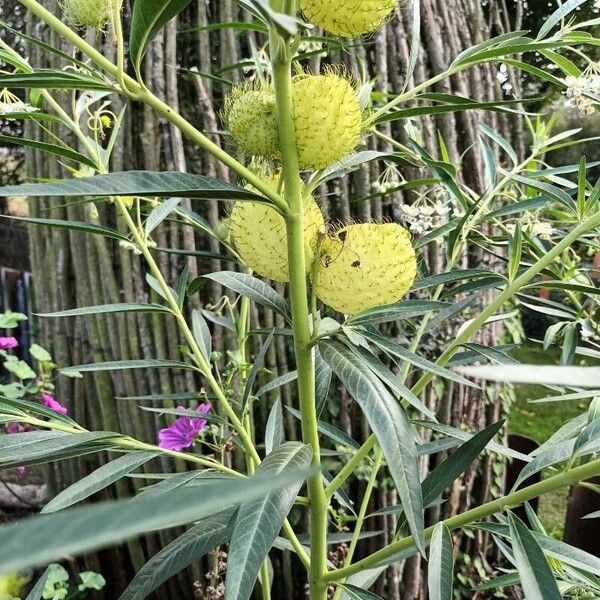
(440, 571)
(98, 480)
(38, 589)
(407, 309)
(53, 149)
(414, 359)
(180, 554)
(202, 334)
(536, 576)
(355, 593)
(53, 80)
(147, 363)
(389, 424)
(136, 183)
(276, 383)
(42, 539)
(148, 18)
(258, 523)
(106, 309)
(256, 366)
(162, 211)
(74, 226)
(253, 288)
(274, 433)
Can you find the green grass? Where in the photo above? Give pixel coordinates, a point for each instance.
(539, 422)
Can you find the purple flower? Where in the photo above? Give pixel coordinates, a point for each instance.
(51, 403)
(21, 470)
(14, 428)
(7, 343)
(183, 431)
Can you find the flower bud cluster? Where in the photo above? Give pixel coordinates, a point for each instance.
(581, 91)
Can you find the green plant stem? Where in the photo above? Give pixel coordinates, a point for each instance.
(298, 291)
(136, 90)
(350, 467)
(187, 332)
(569, 477)
(362, 514)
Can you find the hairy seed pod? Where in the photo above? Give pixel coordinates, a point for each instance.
(86, 13)
(259, 234)
(251, 119)
(348, 18)
(328, 119)
(364, 266)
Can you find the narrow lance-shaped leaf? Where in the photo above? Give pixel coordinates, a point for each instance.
(98, 480)
(180, 554)
(440, 570)
(42, 539)
(256, 366)
(106, 309)
(38, 589)
(136, 183)
(148, 18)
(274, 433)
(389, 424)
(537, 578)
(258, 523)
(253, 288)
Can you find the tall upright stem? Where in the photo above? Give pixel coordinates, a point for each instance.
(298, 290)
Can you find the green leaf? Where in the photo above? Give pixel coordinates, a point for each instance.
(583, 377)
(258, 523)
(274, 433)
(256, 366)
(440, 571)
(148, 18)
(160, 212)
(42, 539)
(323, 376)
(149, 363)
(179, 554)
(536, 576)
(40, 354)
(407, 309)
(74, 226)
(53, 80)
(515, 251)
(106, 309)
(355, 593)
(547, 189)
(389, 424)
(558, 16)
(53, 149)
(38, 588)
(202, 334)
(98, 480)
(20, 369)
(393, 381)
(277, 383)
(253, 288)
(452, 467)
(331, 431)
(414, 359)
(136, 183)
(28, 449)
(502, 142)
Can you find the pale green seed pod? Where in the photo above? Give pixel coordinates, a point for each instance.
(348, 18)
(364, 266)
(328, 119)
(86, 13)
(259, 235)
(250, 116)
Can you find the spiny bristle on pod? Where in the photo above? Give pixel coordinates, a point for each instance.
(86, 13)
(250, 116)
(348, 18)
(366, 265)
(328, 119)
(259, 234)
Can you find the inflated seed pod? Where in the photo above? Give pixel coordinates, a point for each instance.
(250, 116)
(85, 13)
(348, 18)
(328, 119)
(366, 265)
(258, 232)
